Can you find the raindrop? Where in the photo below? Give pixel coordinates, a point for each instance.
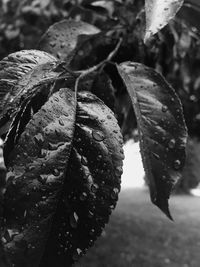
(73, 220)
(164, 108)
(172, 143)
(114, 193)
(90, 214)
(156, 156)
(62, 45)
(177, 164)
(77, 254)
(89, 179)
(61, 122)
(98, 136)
(119, 171)
(83, 196)
(94, 188)
(42, 153)
(52, 44)
(56, 99)
(56, 172)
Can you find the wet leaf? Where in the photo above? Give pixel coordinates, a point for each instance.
(161, 128)
(63, 181)
(36, 174)
(62, 38)
(158, 14)
(20, 73)
(92, 183)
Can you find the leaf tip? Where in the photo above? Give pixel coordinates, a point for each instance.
(163, 205)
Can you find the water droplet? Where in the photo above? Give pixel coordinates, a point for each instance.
(42, 153)
(61, 122)
(74, 220)
(52, 44)
(94, 188)
(62, 45)
(118, 171)
(98, 136)
(56, 172)
(39, 139)
(177, 164)
(164, 108)
(114, 193)
(77, 254)
(83, 196)
(90, 214)
(172, 143)
(156, 156)
(56, 99)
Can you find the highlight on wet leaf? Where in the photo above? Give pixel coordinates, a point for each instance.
(63, 181)
(162, 129)
(21, 73)
(158, 15)
(62, 38)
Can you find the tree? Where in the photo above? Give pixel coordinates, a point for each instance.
(59, 104)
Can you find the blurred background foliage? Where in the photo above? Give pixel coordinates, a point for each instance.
(174, 52)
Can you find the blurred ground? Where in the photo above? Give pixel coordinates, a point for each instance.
(139, 235)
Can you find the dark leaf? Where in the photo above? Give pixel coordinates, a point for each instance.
(63, 181)
(20, 73)
(161, 128)
(36, 174)
(62, 38)
(158, 14)
(189, 13)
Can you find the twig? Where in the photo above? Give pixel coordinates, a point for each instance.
(84, 73)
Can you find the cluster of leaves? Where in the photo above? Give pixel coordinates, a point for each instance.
(62, 143)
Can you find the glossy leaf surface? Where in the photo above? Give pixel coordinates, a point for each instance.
(161, 127)
(57, 204)
(61, 38)
(36, 174)
(158, 14)
(20, 72)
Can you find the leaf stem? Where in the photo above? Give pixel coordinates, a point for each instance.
(84, 73)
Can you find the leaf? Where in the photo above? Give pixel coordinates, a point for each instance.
(161, 127)
(62, 38)
(63, 181)
(20, 73)
(189, 13)
(158, 14)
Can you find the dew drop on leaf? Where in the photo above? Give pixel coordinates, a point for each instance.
(177, 164)
(114, 193)
(98, 136)
(172, 143)
(94, 188)
(56, 172)
(83, 196)
(164, 108)
(74, 220)
(77, 254)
